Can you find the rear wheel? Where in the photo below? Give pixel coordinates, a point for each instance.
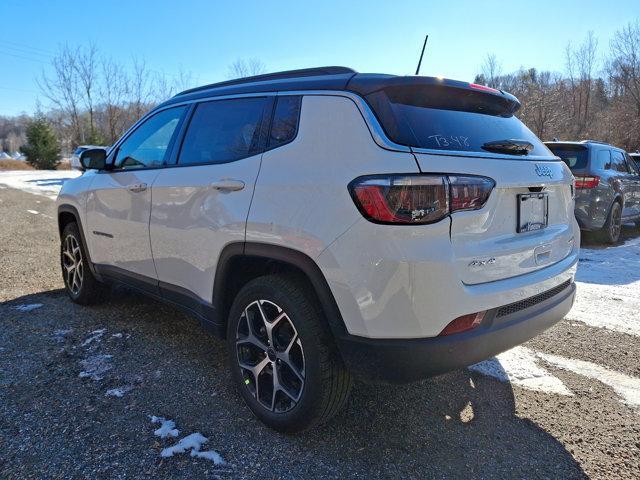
(80, 284)
(613, 226)
(282, 355)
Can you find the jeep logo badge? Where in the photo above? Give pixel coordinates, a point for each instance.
(544, 171)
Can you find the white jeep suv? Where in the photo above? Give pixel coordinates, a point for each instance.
(331, 225)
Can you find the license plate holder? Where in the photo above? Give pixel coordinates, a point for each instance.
(533, 211)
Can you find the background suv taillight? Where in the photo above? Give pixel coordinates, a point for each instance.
(587, 182)
(418, 199)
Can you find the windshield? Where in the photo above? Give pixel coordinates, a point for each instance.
(450, 119)
(575, 157)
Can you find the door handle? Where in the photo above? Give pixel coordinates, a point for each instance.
(228, 184)
(138, 187)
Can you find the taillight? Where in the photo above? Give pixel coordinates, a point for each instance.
(417, 199)
(463, 323)
(587, 182)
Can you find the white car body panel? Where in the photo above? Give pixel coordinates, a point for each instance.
(191, 222)
(117, 226)
(301, 200)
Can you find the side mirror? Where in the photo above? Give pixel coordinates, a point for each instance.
(94, 159)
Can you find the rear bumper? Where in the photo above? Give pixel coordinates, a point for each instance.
(402, 361)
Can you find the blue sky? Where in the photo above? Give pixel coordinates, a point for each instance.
(204, 37)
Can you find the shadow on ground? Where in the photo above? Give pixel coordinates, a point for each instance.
(459, 425)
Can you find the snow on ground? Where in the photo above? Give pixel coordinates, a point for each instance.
(41, 182)
(520, 367)
(95, 366)
(609, 288)
(119, 391)
(95, 336)
(608, 297)
(27, 307)
(191, 442)
(167, 427)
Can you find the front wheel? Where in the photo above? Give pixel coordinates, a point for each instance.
(613, 226)
(283, 358)
(80, 284)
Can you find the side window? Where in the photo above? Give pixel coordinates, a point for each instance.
(618, 163)
(223, 131)
(285, 121)
(633, 168)
(603, 159)
(147, 145)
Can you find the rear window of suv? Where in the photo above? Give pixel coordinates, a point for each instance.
(575, 157)
(444, 118)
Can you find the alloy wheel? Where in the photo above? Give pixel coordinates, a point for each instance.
(72, 264)
(270, 356)
(616, 223)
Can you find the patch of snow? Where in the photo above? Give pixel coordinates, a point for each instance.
(116, 335)
(167, 427)
(27, 307)
(35, 212)
(212, 455)
(119, 391)
(60, 335)
(96, 335)
(609, 288)
(41, 182)
(193, 442)
(628, 388)
(519, 366)
(95, 366)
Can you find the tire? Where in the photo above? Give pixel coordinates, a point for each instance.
(610, 233)
(298, 347)
(80, 284)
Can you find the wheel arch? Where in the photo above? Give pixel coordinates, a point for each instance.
(68, 214)
(243, 261)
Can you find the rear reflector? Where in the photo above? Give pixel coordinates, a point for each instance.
(587, 182)
(463, 323)
(417, 199)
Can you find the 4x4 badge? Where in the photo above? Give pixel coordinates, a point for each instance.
(544, 171)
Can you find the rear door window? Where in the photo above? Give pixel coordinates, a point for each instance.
(633, 167)
(575, 157)
(447, 119)
(618, 162)
(223, 131)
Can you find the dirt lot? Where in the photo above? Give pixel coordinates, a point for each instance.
(61, 366)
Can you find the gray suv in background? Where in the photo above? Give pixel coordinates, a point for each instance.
(607, 186)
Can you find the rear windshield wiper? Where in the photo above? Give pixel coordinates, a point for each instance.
(513, 147)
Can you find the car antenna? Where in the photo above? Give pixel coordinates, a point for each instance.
(424, 45)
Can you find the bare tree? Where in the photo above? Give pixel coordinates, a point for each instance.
(86, 66)
(61, 87)
(140, 88)
(245, 68)
(114, 90)
(491, 71)
(581, 64)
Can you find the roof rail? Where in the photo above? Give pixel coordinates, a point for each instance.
(304, 72)
(595, 141)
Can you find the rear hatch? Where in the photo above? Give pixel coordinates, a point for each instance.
(461, 129)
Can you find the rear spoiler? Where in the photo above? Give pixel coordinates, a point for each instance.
(443, 93)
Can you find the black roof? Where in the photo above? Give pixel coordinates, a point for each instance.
(328, 78)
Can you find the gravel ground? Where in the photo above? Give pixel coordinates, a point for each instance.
(55, 423)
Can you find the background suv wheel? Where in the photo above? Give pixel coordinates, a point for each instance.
(282, 355)
(79, 282)
(613, 226)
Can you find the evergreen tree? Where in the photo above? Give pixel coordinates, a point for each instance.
(42, 149)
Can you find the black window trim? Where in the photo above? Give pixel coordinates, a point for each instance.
(273, 113)
(265, 125)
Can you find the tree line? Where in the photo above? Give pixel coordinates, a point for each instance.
(93, 98)
(597, 97)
